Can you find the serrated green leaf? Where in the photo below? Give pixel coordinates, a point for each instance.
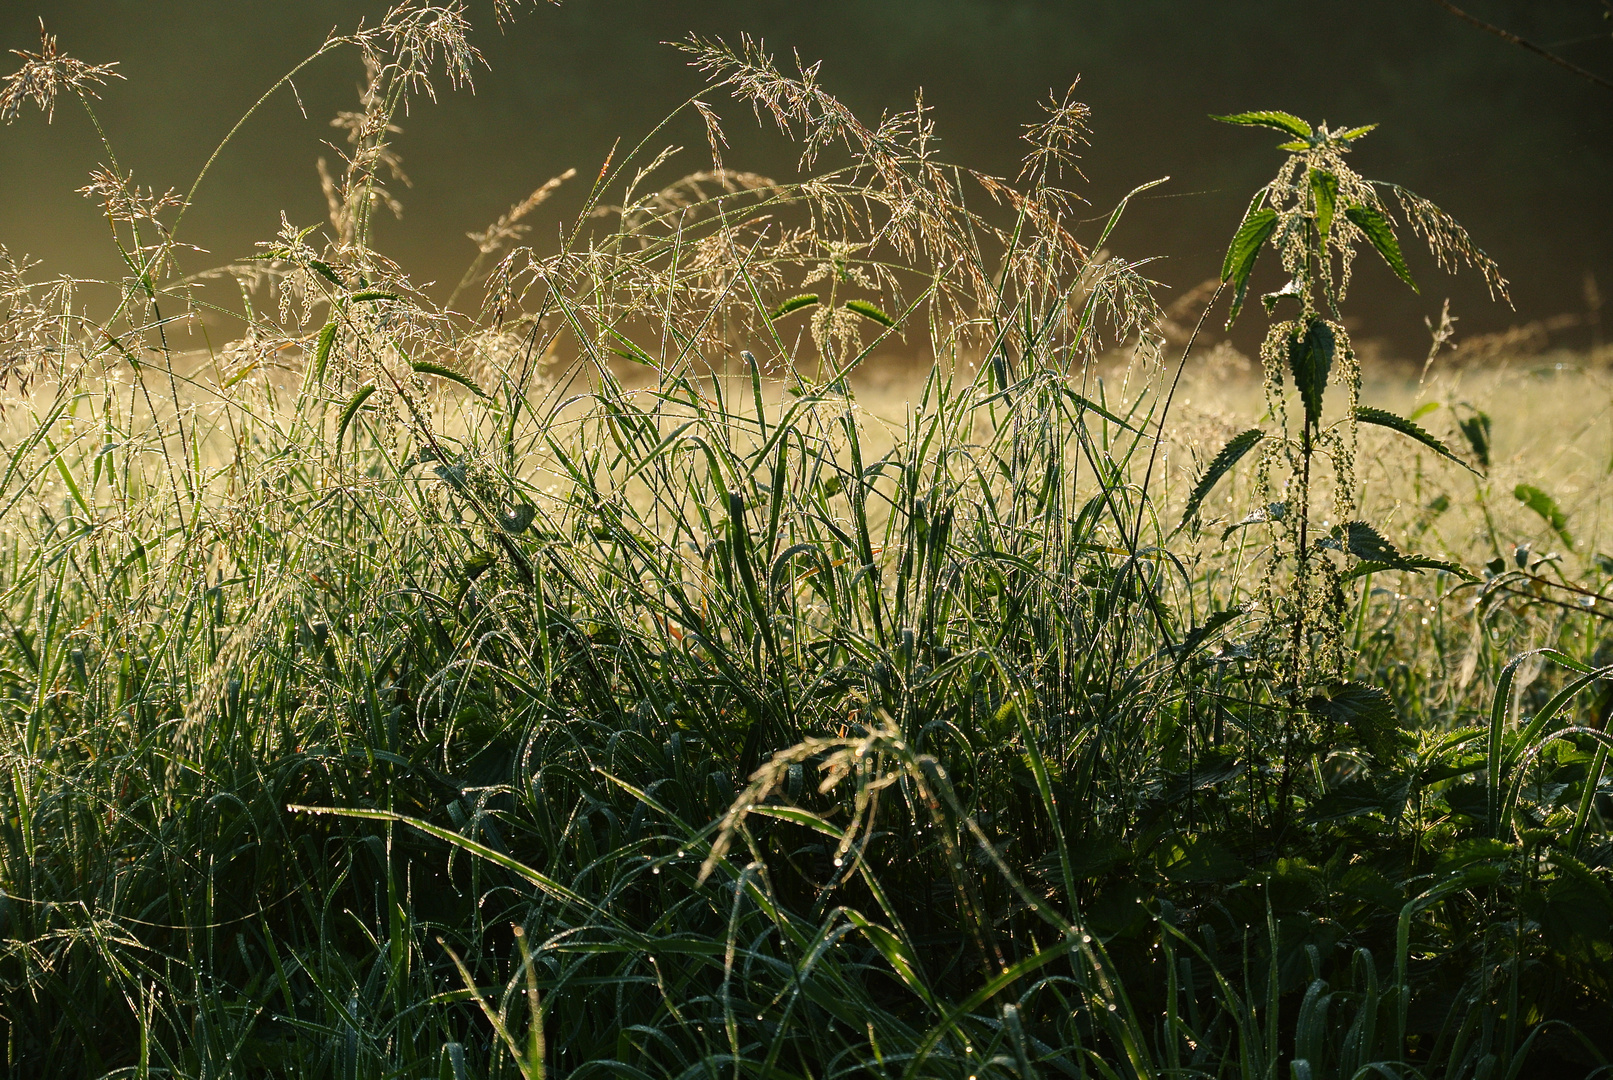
(1310, 359)
(1354, 133)
(1270, 118)
(373, 294)
(426, 367)
(1239, 263)
(1383, 418)
(350, 410)
(1369, 713)
(869, 311)
(1325, 193)
(1382, 235)
(794, 303)
(1219, 466)
(1415, 564)
(1369, 545)
(327, 339)
(1544, 505)
(324, 270)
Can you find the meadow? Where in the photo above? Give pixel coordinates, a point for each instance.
(852, 625)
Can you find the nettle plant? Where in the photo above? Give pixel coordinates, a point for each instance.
(1318, 214)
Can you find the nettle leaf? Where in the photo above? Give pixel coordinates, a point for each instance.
(1310, 358)
(1476, 430)
(350, 410)
(1287, 123)
(1368, 544)
(794, 303)
(1416, 564)
(1354, 133)
(1325, 191)
(1382, 235)
(1574, 908)
(1369, 713)
(325, 271)
(327, 339)
(1382, 418)
(1546, 507)
(870, 312)
(1222, 464)
(1256, 229)
(426, 367)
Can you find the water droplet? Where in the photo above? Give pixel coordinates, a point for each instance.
(1086, 939)
(680, 855)
(839, 861)
(655, 869)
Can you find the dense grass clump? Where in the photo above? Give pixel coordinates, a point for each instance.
(591, 675)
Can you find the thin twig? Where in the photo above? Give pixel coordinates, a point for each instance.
(1522, 43)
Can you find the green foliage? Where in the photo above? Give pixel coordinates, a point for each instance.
(1239, 263)
(1310, 361)
(1544, 505)
(1475, 428)
(1366, 414)
(1381, 235)
(1228, 456)
(545, 725)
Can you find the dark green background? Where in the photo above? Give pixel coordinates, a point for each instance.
(1520, 151)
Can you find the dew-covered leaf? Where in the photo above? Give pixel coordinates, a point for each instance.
(870, 312)
(794, 303)
(1287, 123)
(1271, 299)
(426, 367)
(350, 410)
(1383, 418)
(1200, 634)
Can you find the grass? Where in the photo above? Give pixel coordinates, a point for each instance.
(608, 680)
